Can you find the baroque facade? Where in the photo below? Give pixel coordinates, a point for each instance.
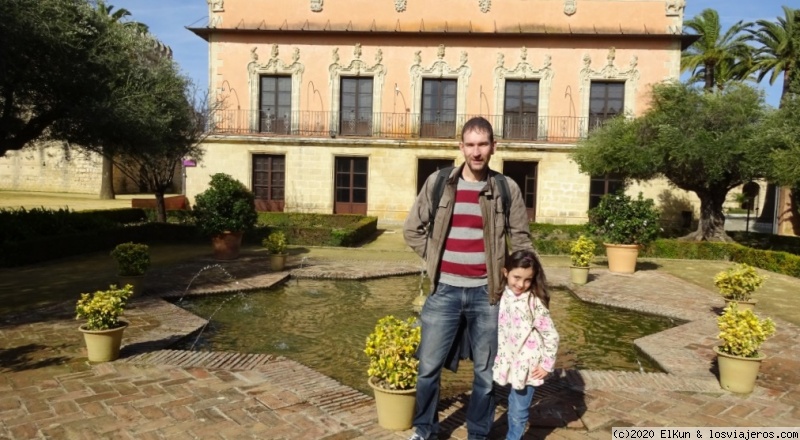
(330, 111)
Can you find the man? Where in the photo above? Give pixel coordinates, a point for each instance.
(464, 254)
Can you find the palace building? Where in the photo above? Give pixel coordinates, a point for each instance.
(347, 106)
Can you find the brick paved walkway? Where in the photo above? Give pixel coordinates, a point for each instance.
(48, 390)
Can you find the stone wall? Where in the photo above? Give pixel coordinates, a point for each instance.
(56, 166)
(562, 191)
(51, 167)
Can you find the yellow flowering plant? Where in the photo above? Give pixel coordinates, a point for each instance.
(390, 349)
(742, 332)
(275, 243)
(582, 251)
(738, 282)
(102, 309)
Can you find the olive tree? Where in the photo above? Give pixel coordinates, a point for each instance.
(783, 131)
(51, 64)
(703, 142)
(148, 122)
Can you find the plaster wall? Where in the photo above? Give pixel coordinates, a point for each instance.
(593, 16)
(565, 69)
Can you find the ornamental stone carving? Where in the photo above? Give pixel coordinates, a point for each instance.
(523, 70)
(316, 5)
(675, 8)
(400, 5)
(216, 5)
(440, 69)
(274, 66)
(610, 71)
(570, 6)
(485, 5)
(356, 68)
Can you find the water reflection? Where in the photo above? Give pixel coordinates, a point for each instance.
(324, 323)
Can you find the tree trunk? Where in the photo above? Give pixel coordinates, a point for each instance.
(161, 208)
(107, 182)
(787, 85)
(709, 76)
(711, 226)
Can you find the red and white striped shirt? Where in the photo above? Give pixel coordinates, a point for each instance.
(464, 259)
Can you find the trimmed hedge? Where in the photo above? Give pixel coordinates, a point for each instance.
(545, 231)
(20, 225)
(173, 216)
(43, 249)
(27, 236)
(775, 261)
(315, 229)
(767, 241)
(120, 215)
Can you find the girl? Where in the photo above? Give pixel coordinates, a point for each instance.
(527, 341)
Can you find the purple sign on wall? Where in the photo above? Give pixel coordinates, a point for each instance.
(189, 163)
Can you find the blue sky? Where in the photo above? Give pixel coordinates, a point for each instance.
(168, 20)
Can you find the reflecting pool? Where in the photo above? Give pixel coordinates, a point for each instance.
(324, 324)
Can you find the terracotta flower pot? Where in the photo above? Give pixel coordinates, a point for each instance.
(227, 245)
(622, 257)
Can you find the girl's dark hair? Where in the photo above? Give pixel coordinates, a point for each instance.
(525, 259)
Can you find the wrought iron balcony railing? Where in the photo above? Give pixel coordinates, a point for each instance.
(523, 128)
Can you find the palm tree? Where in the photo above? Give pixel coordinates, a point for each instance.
(116, 17)
(716, 56)
(726, 72)
(780, 48)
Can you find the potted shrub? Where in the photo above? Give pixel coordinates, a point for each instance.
(393, 370)
(133, 260)
(224, 212)
(581, 253)
(737, 284)
(739, 358)
(103, 329)
(625, 225)
(275, 244)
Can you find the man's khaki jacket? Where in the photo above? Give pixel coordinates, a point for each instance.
(431, 246)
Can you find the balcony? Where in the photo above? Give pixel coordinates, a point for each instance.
(311, 124)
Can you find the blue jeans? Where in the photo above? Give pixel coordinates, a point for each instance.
(440, 319)
(519, 404)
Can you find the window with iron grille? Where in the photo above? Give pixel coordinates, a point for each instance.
(355, 117)
(602, 185)
(438, 108)
(606, 100)
(521, 110)
(275, 104)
